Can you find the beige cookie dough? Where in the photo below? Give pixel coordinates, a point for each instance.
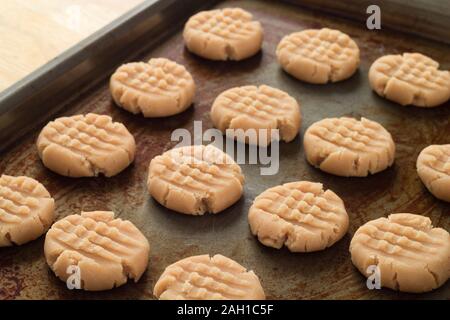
(86, 146)
(433, 167)
(223, 34)
(411, 255)
(251, 109)
(106, 251)
(318, 55)
(157, 88)
(208, 278)
(410, 79)
(26, 210)
(348, 147)
(300, 215)
(195, 180)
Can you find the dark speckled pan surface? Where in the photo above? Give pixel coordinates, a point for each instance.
(328, 274)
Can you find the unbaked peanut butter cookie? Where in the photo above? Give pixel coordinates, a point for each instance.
(157, 88)
(348, 147)
(410, 254)
(26, 210)
(86, 146)
(410, 79)
(300, 215)
(433, 167)
(195, 180)
(261, 109)
(208, 278)
(107, 251)
(318, 55)
(223, 34)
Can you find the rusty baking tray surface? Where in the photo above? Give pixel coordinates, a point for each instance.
(328, 274)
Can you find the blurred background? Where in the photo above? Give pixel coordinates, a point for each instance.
(32, 32)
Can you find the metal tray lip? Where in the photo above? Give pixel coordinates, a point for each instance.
(75, 54)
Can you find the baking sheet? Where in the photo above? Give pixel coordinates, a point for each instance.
(322, 275)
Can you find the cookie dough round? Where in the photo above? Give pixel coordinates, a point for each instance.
(433, 167)
(195, 180)
(411, 255)
(410, 79)
(158, 88)
(348, 147)
(208, 278)
(300, 215)
(85, 146)
(26, 210)
(251, 109)
(318, 55)
(223, 34)
(105, 250)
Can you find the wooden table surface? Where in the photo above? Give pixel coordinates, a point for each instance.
(34, 32)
